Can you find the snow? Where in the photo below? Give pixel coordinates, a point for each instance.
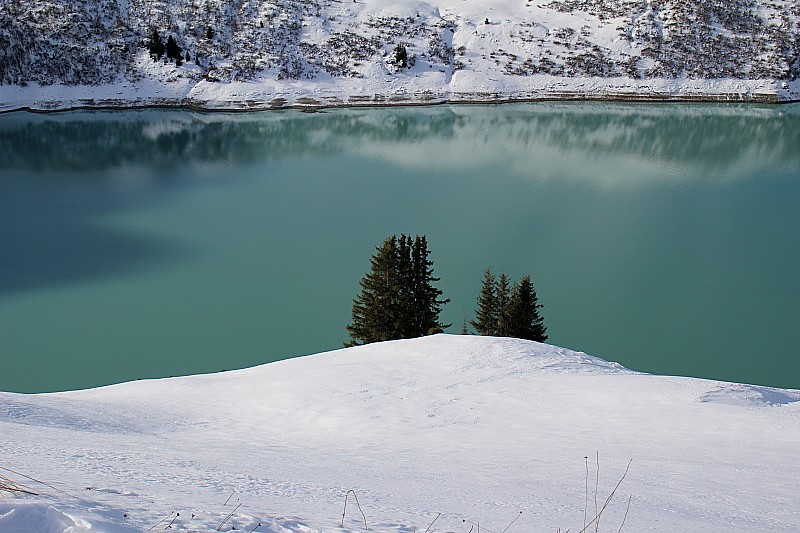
(475, 428)
(42, 518)
(246, 77)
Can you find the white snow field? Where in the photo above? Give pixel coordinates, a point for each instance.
(489, 431)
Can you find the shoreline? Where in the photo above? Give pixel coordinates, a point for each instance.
(308, 101)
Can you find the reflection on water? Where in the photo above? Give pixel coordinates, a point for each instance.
(173, 242)
(713, 138)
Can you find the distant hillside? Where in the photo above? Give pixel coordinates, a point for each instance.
(468, 47)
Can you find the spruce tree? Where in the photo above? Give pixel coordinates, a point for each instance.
(503, 306)
(485, 322)
(173, 50)
(401, 56)
(506, 311)
(426, 297)
(526, 321)
(373, 317)
(156, 46)
(404, 307)
(397, 299)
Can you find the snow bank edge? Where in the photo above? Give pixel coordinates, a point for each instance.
(262, 97)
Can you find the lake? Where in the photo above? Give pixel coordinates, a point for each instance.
(151, 243)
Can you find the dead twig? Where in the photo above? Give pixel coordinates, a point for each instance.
(160, 522)
(586, 492)
(12, 487)
(169, 526)
(344, 511)
(596, 484)
(512, 522)
(219, 527)
(431, 524)
(626, 514)
(37, 481)
(608, 500)
(478, 525)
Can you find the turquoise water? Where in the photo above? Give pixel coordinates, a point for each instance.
(154, 243)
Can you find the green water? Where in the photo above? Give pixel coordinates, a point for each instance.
(155, 243)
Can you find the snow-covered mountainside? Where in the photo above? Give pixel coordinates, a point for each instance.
(451, 430)
(273, 53)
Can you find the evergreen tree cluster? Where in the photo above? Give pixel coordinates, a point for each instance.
(506, 310)
(401, 56)
(172, 50)
(398, 299)
(156, 45)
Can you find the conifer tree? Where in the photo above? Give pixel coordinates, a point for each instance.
(506, 311)
(401, 56)
(464, 328)
(503, 306)
(372, 317)
(526, 321)
(485, 322)
(426, 297)
(173, 50)
(397, 299)
(404, 308)
(156, 46)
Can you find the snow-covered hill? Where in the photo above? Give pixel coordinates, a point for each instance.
(475, 428)
(250, 54)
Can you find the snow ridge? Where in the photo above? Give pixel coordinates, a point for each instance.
(474, 428)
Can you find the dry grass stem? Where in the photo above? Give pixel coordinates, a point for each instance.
(344, 511)
(586, 493)
(596, 484)
(14, 488)
(512, 522)
(159, 522)
(169, 526)
(431, 524)
(608, 500)
(37, 481)
(628, 508)
(219, 527)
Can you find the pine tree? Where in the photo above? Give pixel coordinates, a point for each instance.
(401, 56)
(526, 321)
(426, 303)
(372, 318)
(156, 46)
(506, 311)
(464, 328)
(503, 306)
(485, 322)
(404, 307)
(397, 299)
(173, 50)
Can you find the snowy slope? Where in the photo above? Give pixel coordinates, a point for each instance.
(254, 54)
(475, 428)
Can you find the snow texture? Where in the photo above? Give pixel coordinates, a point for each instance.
(252, 54)
(475, 428)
